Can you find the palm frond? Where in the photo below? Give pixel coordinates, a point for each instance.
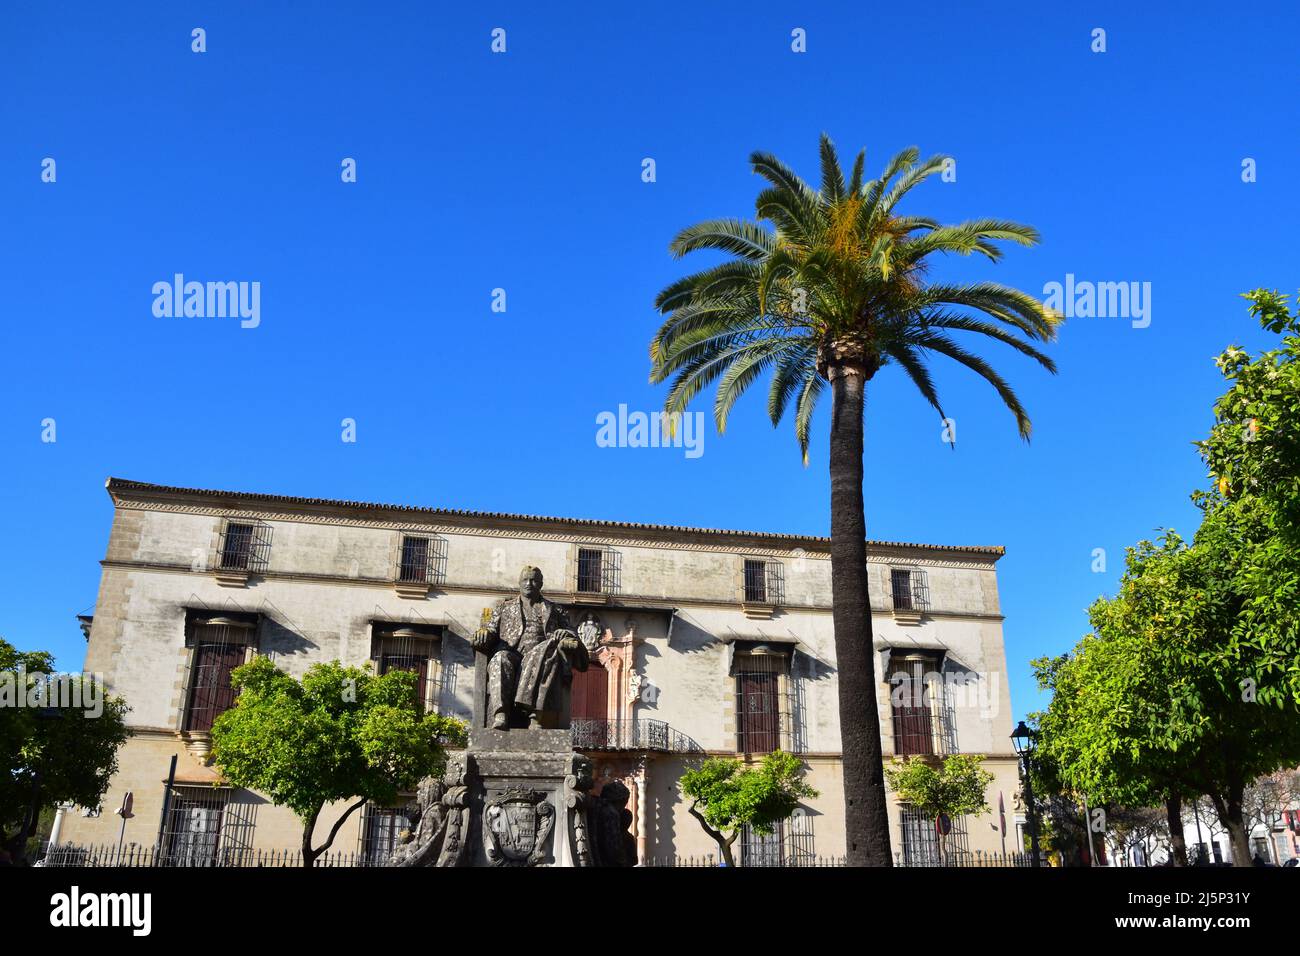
(935, 342)
(749, 240)
(968, 323)
(812, 388)
(832, 175)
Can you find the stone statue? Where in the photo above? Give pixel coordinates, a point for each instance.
(440, 820)
(420, 846)
(531, 656)
(609, 821)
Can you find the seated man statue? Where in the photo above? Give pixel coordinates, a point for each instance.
(532, 654)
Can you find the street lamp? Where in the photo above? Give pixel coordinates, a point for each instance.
(1022, 738)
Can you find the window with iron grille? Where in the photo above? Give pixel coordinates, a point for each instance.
(382, 829)
(405, 647)
(910, 589)
(764, 582)
(915, 709)
(789, 844)
(244, 546)
(920, 844)
(218, 644)
(207, 826)
(590, 566)
(598, 570)
(759, 716)
(423, 559)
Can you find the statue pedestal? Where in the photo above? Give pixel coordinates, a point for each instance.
(526, 799)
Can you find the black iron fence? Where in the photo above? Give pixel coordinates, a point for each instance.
(630, 735)
(135, 855)
(962, 859)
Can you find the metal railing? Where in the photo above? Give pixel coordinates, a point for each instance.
(710, 860)
(630, 735)
(968, 858)
(135, 855)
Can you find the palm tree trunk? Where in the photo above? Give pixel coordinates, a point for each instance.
(866, 820)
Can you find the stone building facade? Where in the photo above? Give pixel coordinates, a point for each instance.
(706, 642)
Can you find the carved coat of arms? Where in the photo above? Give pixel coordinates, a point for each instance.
(516, 827)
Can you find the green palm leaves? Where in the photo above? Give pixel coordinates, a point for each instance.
(839, 280)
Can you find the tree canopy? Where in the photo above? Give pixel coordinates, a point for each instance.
(337, 734)
(53, 748)
(726, 796)
(1190, 681)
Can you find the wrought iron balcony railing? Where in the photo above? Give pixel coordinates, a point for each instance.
(630, 735)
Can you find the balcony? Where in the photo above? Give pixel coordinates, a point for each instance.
(631, 735)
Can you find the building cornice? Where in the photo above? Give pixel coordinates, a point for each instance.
(142, 495)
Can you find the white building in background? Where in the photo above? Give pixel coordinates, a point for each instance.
(704, 641)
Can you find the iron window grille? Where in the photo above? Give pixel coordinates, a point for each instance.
(910, 589)
(764, 582)
(207, 826)
(411, 648)
(760, 717)
(789, 844)
(382, 831)
(920, 843)
(218, 644)
(599, 571)
(244, 546)
(918, 711)
(423, 560)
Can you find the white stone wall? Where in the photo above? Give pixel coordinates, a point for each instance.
(330, 573)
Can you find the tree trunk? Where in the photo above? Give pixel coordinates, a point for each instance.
(1174, 816)
(308, 827)
(31, 819)
(866, 820)
(724, 842)
(309, 856)
(1228, 808)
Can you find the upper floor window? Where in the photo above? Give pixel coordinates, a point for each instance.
(764, 582)
(910, 589)
(244, 546)
(218, 644)
(423, 559)
(598, 571)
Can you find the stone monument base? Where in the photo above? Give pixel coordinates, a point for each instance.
(526, 799)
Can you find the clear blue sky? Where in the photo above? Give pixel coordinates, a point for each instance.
(523, 171)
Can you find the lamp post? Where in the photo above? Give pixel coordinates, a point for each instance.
(1022, 738)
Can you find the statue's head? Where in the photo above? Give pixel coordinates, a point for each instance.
(530, 582)
(616, 793)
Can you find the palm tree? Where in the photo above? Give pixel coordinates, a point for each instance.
(834, 293)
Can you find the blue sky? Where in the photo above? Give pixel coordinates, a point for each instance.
(522, 171)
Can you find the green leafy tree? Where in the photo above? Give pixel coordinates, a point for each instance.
(1253, 449)
(1190, 683)
(55, 752)
(952, 787)
(835, 291)
(727, 796)
(339, 733)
